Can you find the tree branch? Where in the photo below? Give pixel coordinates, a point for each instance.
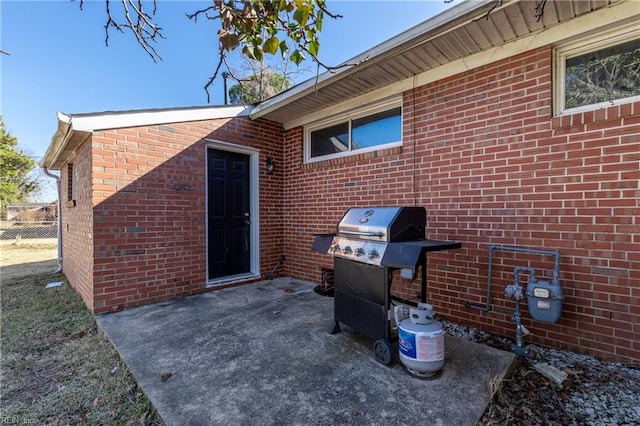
(496, 5)
(204, 12)
(215, 73)
(258, 27)
(323, 6)
(250, 23)
(138, 22)
(539, 10)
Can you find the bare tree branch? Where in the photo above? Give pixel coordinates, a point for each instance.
(324, 9)
(138, 22)
(4, 52)
(213, 76)
(496, 5)
(539, 10)
(110, 22)
(204, 11)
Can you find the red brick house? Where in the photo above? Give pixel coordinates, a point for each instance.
(482, 120)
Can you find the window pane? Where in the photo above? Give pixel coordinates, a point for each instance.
(604, 75)
(377, 129)
(330, 140)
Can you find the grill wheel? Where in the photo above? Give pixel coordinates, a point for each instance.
(382, 349)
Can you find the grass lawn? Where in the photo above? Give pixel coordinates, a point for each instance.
(56, 367)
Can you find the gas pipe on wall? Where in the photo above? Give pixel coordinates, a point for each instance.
(544, 300)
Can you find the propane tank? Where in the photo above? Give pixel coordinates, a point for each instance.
(421, 341)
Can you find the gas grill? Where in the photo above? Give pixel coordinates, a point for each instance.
(369, 245)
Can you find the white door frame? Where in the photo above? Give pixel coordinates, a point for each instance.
(254, 206)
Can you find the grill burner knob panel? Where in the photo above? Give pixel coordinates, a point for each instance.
(364, 251)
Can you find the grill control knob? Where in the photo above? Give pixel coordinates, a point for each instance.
(359, 251)
(335, 248)
(347, 250)
(373, 254)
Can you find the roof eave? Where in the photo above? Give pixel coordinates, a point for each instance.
(58, 142)
(74, 129)
(438, 23)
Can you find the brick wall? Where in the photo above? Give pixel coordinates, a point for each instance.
(149, 225)
(77, 223)
(483, 154)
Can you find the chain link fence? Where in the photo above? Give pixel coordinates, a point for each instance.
(11, 230)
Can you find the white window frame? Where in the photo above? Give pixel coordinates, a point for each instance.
(601, 40)
(349, 116)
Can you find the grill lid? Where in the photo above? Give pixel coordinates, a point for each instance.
(392, 237)
(384, 224)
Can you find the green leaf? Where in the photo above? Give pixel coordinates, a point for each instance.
(257, 53)
(301, 15)
(248, 51)
(271, 46)
(314, 46)
(297, 57)
(272, 31)
(284, 48)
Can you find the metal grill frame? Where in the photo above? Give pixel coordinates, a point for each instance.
(362, 291)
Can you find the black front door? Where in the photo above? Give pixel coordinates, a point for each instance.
(229, 217)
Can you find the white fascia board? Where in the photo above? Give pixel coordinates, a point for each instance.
(58, 140)
(116, 120)
(70, 124)
(371, 55)
(617, 14)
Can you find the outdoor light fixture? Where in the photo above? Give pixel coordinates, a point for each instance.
(270, 164)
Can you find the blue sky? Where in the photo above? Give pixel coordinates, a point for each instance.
(59, 61)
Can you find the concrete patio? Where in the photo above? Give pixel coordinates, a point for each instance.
(262, 354)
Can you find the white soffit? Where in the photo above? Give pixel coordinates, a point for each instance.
(623, 14)
(391, 46)
(451, 42)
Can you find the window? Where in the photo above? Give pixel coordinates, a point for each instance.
(362, 130)
(71, 184)
(596, 72)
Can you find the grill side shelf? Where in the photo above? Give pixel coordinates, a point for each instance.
(322, 242)
(408, 254)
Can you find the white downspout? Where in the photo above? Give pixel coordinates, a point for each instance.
(57, 179)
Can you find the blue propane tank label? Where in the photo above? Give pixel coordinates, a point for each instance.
(421, 346)
(407, 343)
